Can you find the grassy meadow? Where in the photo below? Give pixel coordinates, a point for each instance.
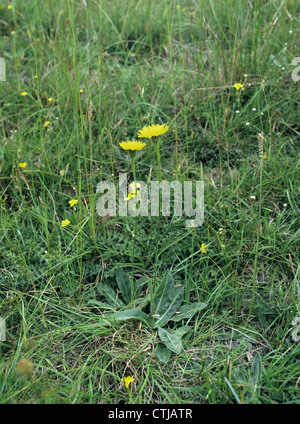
(144, 310)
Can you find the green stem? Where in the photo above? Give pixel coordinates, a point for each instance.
(158, 160)
(130, 395)
(133, 167)
(132, 156)
(158, 221)
(255, 271)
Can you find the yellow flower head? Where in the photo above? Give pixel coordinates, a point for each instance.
(65, 223)
(127, 381)
(132, 145)
(50, 99)
(22, 165)
(46, 123)
(203, 247)
(9, 6)
(24, 93)
(238, 86)
(134, 186)
(133, 191)
(153, 131)
(131, 195)
(73, 202)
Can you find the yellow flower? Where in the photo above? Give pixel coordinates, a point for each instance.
(73, 202)
(35, 76)
(153, 131)
(203, 247)
(127, 381)
(238, 86)
(50, 99)
(131, 195)
(132, 145)
(65, 223)
(22, 165)
(133, 191)
(24, 93)
(46, 123)
(9, 6)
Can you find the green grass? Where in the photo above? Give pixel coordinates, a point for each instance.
(111, 68)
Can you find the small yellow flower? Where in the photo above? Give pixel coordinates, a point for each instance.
(22, 165)
(203, 247)
(131, 195)
(73, 202)
(128, 197)
(9, 6)
(238, 86)
(127, 381)
(132, 145)
(133, 191)
(81, 90)
(134, 186)
(46, 123)
(35, 76)
(50, 100)
(65, 223)
(153, 131)
(24, 93)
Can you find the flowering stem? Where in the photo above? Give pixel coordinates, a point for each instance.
(158, 223)
(133, 167)
(158, 160)
(130, 395)
(258, 235)
(132, 156)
